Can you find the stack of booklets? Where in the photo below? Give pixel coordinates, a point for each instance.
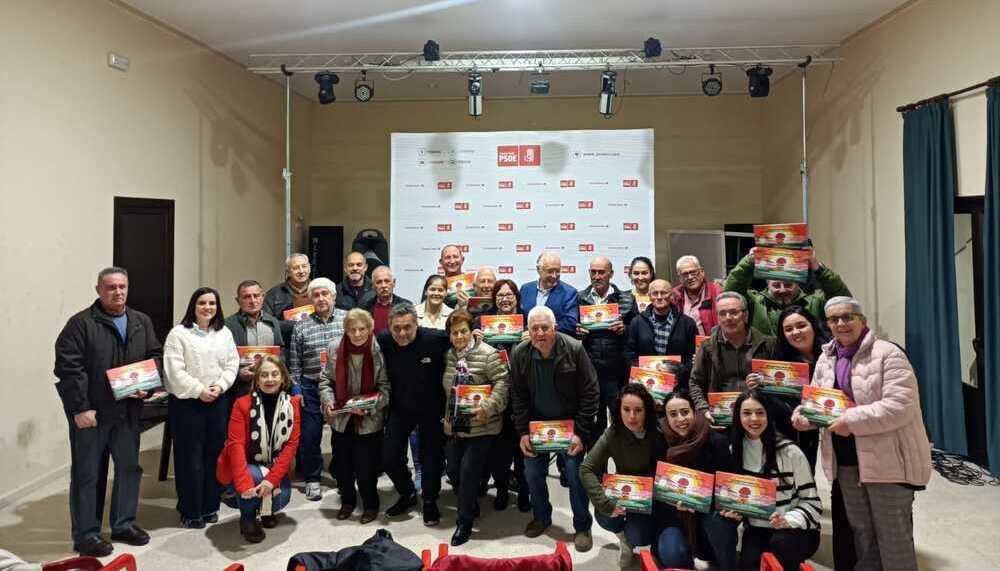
(632, 493)
(782, 252)
(822, 406)
(468, 398)
(658, 383)
(480, 304)
(676, 484)
(601, 316)
(721, 405)
(502, 328)
(133, 378)
(250, 354)
(298, 313)
(750, 496)
(550, 435)
(465, 281)
(366, 402)
(781, 377)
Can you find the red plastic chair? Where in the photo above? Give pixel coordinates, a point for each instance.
(124, 562)
(768, 562)
(649, 564)
(558, 561)
(234, 567)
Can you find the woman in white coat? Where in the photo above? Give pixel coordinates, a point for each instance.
(201, 362)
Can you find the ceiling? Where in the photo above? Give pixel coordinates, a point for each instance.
(238, 28)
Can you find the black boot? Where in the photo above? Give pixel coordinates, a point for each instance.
(463, 531)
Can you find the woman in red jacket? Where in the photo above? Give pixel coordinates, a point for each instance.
(263, 437)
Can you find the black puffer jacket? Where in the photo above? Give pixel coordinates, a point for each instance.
(87, 347)
(606, 348)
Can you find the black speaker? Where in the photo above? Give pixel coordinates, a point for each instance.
(326, 252)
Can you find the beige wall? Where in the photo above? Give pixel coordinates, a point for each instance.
(708, 153)
(182, 124)
(856, 139)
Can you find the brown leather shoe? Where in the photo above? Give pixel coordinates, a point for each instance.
(346, 510)
(583, 541)
(369, 516)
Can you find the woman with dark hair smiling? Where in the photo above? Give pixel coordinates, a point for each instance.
(641, 273)
(432, 310)
(634, 443)
(201, 362)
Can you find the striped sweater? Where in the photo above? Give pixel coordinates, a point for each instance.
(797, 499)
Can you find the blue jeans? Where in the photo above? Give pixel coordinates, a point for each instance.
(536, 471)
(249, 508)
(310, 454)
(674, 550)
(640, 529)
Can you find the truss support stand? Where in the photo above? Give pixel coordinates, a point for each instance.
(804, 165)
(286, 173)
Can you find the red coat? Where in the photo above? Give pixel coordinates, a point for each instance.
(232, 464)
(706, 314)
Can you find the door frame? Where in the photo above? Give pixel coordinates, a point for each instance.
(974, 399)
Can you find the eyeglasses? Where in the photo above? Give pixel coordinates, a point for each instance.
(504, 295)
(846, 319)
(690, 273)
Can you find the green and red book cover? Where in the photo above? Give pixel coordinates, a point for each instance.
(298, 313)
(781, 377)
(468, 398)
(699, 339)
(599, 316)
(366, 402)
(250, 354)
(822, 406)
(658, 383)
(465, 281)
(664, 363)
(781, 235)
(502, 328)
(550, 435)
(633, 493)
(721, 405)
(693, 489)
(781, 264)
(479, 304)
(748, 495)
(134, 377)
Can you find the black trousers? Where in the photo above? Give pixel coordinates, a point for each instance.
(397, 434)
(845, 556)
(199, 430)
(790, 546)
(466, 457)
(356, 460)
(87, 449)
(505, 450)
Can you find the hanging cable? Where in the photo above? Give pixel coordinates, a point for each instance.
(961, 470)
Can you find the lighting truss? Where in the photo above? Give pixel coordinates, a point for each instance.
(550, 60)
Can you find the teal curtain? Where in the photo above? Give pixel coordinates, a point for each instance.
(929, 181)
(991, 266)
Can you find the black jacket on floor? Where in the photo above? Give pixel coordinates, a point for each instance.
(377, 553)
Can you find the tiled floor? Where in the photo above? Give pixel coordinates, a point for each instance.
(957, 527)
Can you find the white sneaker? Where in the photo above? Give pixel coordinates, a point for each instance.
(626, 553)
(313, 492)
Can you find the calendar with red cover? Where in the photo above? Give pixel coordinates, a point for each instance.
(822, 406)
(550, 435)
(783, 378)
(721, 405)
(250, 354)
(781, 235)
(133, 378)
(599, 316)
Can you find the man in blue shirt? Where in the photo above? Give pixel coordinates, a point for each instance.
(551, 292)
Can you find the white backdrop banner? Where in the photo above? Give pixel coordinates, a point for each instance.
(505, 197)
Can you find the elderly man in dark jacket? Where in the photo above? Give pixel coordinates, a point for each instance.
(106, 335)
(606, 347)
(553, 379)
(662, 329)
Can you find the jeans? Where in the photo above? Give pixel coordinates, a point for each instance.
(640, 529)
(249, 508)
(536, 471)
(466, 457)
(199, 431)
(310, 453)
(717, 537)
(609, 393)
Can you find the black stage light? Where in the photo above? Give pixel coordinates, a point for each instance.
(757, 79)
(651, 48)
(711, 82)
(364, 90)
(475, 94)
(432, 51)
(326, 81)
(604, 106)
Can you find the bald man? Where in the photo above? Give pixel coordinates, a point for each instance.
(662, 329)
(553, 293)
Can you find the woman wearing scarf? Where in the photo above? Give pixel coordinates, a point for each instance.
(878, 450)
(355, 367)
(263, 438)
(692, 443)
(470, 362)
(634, 443)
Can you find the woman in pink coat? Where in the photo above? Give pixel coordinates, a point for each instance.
(878, 449)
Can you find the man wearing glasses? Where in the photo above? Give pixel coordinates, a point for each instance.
(695, 296)
(661, 329)
(723, 362)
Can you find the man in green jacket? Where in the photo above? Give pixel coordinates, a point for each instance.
(765, 306)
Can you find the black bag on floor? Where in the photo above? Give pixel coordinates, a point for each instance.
(378, 553)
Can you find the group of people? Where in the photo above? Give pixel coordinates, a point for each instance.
(238, 429)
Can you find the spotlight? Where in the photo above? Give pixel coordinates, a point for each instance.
(758, 83)
(364, 90)
(326, 81)
(475, 94)
(711, 82)
(604, 107)
(432, 51)
(651, 48)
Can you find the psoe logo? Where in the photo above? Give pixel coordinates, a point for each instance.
(505, 227)
(569, 269)
(445, 185)
(526, 205)
(567, 183)
(505, 184)
(507, 156)
(522, 248)
(444, 227)
(461, 206)
(464, 248)
(630, 226)
(585, 204)
(630, 183)
(505, 269)
(586, 247)
(530, 155)
(567, 225)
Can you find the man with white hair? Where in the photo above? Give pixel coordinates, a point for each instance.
(695, 295)
(553, 293)
(552, 379)
(290, 293)
(306, 357)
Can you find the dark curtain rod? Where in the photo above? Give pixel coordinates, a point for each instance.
(913, 106)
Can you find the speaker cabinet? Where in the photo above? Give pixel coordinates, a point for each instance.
(326, 252)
